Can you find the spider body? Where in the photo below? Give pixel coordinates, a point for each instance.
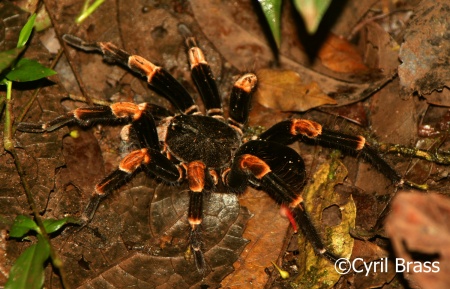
(206, 149)
(196, 137)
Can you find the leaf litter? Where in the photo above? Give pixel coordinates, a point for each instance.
(118, 249)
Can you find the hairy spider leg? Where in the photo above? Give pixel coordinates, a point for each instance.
(85, 116)
(143, 131)
(204, 79)
(240, 100)
(280, 172)
(88, 116)
(308, 131)
(148, 157)
(200, 183)
(157, 77)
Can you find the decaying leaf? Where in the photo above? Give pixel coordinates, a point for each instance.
(322, 202)
(266, 231)
(424, 52)
(284, 90)
(420, 232)
(339, 55)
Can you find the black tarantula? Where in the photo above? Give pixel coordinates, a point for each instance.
(207, 149)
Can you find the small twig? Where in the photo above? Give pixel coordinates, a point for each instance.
(69, 59)
(363, 23)
(96, 101)
(442, 158)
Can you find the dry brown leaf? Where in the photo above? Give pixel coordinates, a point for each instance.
(339, 55)
(284, 90)
(266, 231)
(424, 53)
(370, 252)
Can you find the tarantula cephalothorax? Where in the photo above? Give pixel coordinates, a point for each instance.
(206, 149)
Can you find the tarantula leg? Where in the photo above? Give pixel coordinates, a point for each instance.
(200, 182)
(157, 77)
(147, 159)
(46, 127)
(279, 171)
(117, 113)
(158, 112)
(121, 112)
(143, 131)
(308, 229)
(204, 79)
(240, 99)
(289, 131)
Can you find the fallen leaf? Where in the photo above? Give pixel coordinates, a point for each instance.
(320, 199)
(284, 90)
(424, 53)
(266, 231)
(339, 55)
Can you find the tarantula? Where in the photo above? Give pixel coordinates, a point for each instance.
(206, 149)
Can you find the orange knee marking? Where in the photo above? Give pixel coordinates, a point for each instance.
(196, 176)
(133, 160)
(124, 109)
(99, 188)
(305, 127)
(194, 222)
(296, 202)
(254, 164)
(196, 57)
(247, 82)
(361, 143)
(143, 65)
(214, 176)
(81, 112)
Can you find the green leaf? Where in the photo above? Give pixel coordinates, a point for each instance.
(26, 31)
(312, 12)
(22, 224)
(7, 58)
(52, 225)
(272, 12)
(28, 70)
(321, 199)
(28, 270)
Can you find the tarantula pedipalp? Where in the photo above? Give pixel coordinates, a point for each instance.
(206, 149)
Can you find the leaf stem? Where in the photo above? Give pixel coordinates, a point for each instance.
(88, 10)
(7, 133)
(8, 144)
